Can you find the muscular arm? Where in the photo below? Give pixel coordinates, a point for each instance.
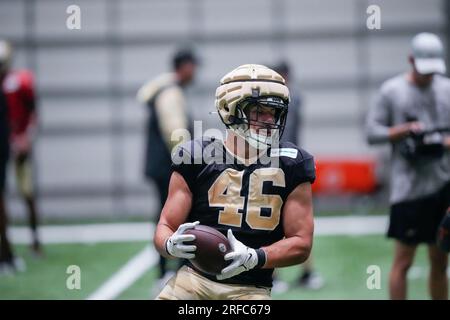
(298, 226)
(174, 213)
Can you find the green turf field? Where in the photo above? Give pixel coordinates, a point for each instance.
(342, 260)
(45, 278)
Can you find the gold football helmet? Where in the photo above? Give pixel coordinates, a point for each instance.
(248, 86)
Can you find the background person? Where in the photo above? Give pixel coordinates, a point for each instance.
(420, 182)
(167, 111)
(18, 86)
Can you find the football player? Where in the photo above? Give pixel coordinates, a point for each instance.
(250, 187)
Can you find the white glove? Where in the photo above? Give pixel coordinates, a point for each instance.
(175, 244)
(244, 258)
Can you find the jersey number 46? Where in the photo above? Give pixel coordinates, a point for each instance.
(226, 192)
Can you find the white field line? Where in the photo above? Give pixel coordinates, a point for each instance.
(120, 232)
(89, 233)
(127, 275)
(350, 225)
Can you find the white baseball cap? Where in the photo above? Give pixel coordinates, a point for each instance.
(428, 53)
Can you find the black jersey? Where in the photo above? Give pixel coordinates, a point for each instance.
(248, 199)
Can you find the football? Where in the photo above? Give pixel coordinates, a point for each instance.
(212, 246)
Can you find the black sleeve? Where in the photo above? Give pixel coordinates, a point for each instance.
(303, 171)
(300, 170)
(185, 162)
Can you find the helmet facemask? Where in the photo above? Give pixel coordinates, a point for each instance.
(252, 123)
(244, 99)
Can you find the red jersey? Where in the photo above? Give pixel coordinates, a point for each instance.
(18, 87)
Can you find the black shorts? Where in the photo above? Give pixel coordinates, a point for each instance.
(417, 221)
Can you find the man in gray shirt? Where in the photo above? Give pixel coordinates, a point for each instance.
(406, 107)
